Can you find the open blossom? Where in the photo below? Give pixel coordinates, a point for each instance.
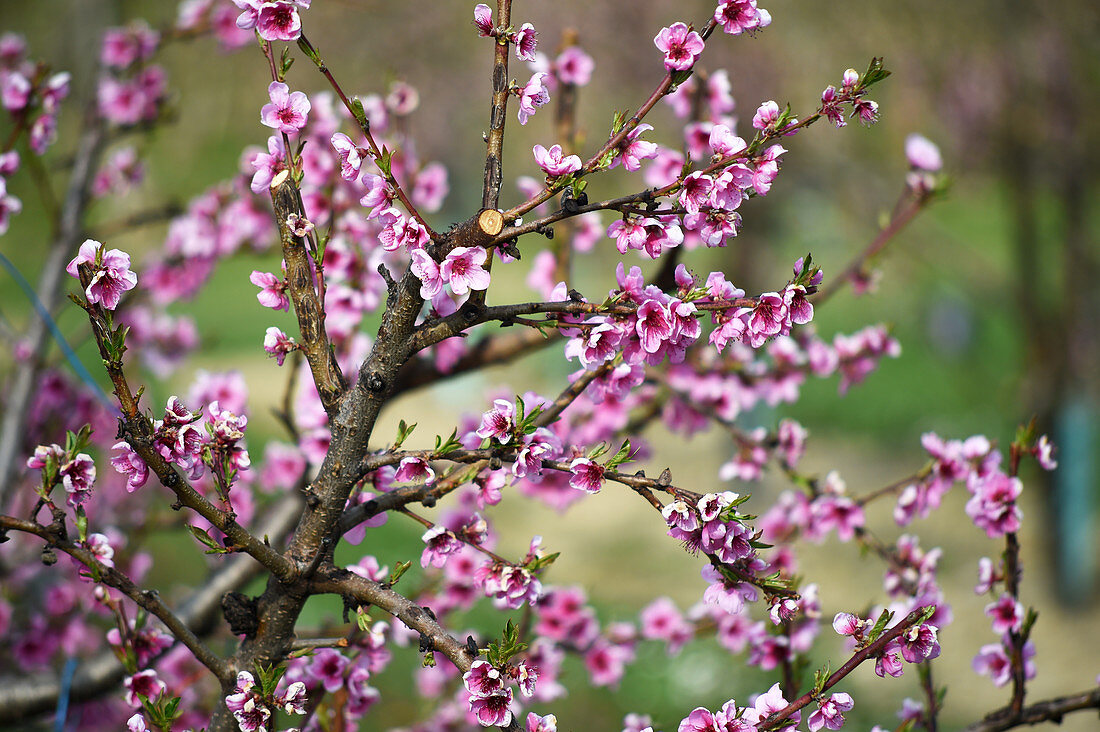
(492, 710)
(78, 477)
(993, 661)
(247, 707)
(426, 270)
(440, 543)
(587, 475)
(100, 546)
(129, 463)
(351, 155)
(534, 94)
(498, 422)
(287, 111)
(920, 643)
(766, 115)
(1007, 614)
(680, 45)
(740, 16)
(526, 40)
(413, 469)
(632, 150)
(274, 20)
(829, 713)
(267, 165)
(111, 277)
(552, 162)
(143, 683)
(278, 344)
(483, 679)
(483, 19)
(463, 269)
(272, 290)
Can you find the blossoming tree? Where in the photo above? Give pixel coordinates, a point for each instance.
(339, 196)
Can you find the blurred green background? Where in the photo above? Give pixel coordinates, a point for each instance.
(992, 292)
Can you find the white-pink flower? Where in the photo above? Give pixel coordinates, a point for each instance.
(463, 270)
(287, 111)
(533, 95)
(112, 275)
(552, 162)
(680, 45)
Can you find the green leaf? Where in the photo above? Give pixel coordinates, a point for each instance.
(542, 563)
(398, 571)
(880, 625)
(624, 455)
(207, 540)
(403, 432)
(362, 618)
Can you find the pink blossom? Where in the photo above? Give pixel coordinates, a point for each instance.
(993, 661)
(829, 713)
(100, 546)
(723, 142)
(15, 91)
(463, 270)
(993, 505)
(848, 624)
(695, 191)
(629, 233)
(552, 162)
(8, 205)
(483, 679)
(278, 344)
(632, 150)
(738, 16)
(574, 66)
(766, 115)
(129, 463)
(920, 643)
(414, 470)
(430, 187)
(492, 710)
(662, 620)
(287, 111)
(1007, 614)
(111, 273)
(440, 543)
(498, 422)
(272, 290)
(533, 95)
(587, 475)
(267, 165)
(426, 270)
(654, 325)
(78, 477)
(680, 45)
(526, 40)
(1043, 451)
(403, 98)
(351, 155)
(483, 19)
(328, 666)
(143, 684)
(535, 723)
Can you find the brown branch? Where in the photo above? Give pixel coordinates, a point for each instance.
(307, 303)
(902, 216)
(27, 696)
(1048, 710)
(54, 536)
(364, 127)
(850, 665)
